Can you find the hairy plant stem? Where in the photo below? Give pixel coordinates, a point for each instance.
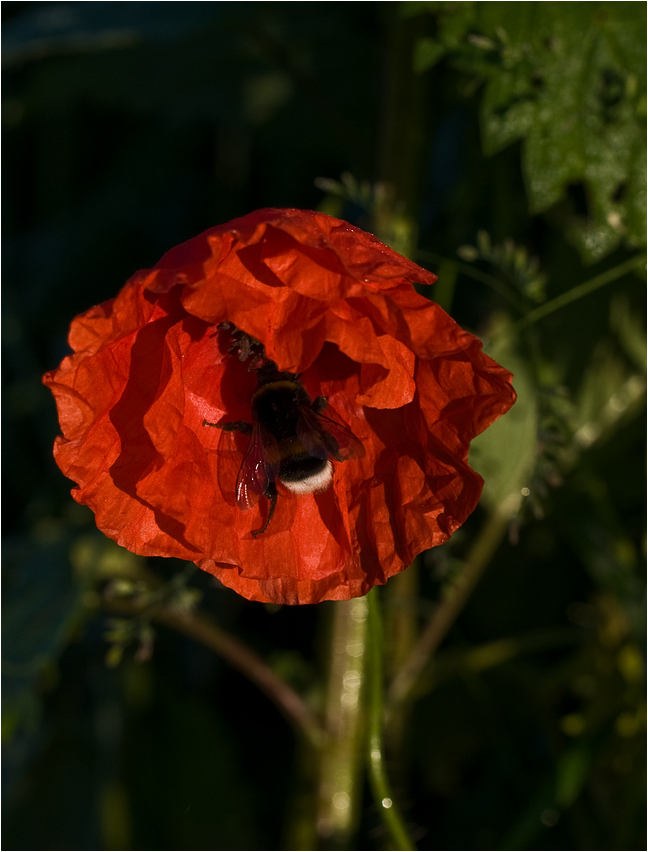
(401, 621)
(445, 614)
(378, 778)
(578, 292)
(400, 164)
(340, 761)
(401, 144)
(400, 152)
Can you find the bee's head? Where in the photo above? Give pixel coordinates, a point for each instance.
(268, 373)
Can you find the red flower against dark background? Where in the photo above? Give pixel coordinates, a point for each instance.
(327, 302)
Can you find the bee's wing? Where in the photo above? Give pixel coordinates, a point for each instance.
(259, 467)
(324, 437)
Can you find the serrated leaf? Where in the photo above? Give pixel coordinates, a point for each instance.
(569, 80)
(580, 123)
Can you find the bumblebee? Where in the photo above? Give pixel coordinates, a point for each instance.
(291, 441)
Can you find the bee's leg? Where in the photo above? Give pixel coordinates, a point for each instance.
(318, 405)
(271, 494)
(235, 426)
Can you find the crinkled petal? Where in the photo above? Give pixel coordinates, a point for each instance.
(152, 378)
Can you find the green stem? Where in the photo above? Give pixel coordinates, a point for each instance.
(340, 773)
(476, 274)
(378, 779)
(400, 600)
(578, 292)
(402, 133)
(449, 608)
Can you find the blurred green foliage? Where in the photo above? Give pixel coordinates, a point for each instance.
(570, 80)
(507, 141)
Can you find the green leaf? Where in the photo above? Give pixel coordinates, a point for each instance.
(505, 453)
(427, 52)
(608, 396)
(630, 330)
(569, 80)
(42, 604)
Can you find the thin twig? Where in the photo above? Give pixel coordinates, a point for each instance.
(202, 629)
(578, 292)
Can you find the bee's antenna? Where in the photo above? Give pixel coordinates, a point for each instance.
(243, 345)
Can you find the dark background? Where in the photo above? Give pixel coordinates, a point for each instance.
(130, 127)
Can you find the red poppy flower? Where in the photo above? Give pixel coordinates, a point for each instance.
(305, 294)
